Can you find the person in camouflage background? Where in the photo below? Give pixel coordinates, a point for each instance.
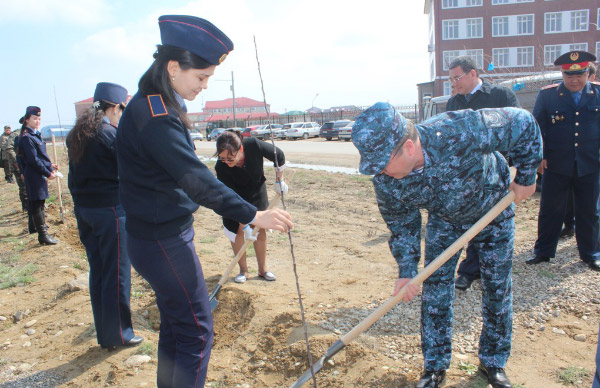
(451, 166)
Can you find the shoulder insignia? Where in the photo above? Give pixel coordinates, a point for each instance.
(550, 86)
(595, 83)
(157, 105)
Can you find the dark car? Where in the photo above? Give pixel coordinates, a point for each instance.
(215, 133)
(329, 130)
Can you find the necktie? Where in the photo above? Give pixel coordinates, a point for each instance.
(577, 97)
(468, 97)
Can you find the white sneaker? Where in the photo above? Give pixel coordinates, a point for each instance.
(269, 276)
(241, 278)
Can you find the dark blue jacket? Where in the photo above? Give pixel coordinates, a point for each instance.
(162, 181)
(94, 180)
(36, 164)
(571, 133)
(487, 96)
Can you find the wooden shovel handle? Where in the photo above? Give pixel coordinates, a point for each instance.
(431, 268)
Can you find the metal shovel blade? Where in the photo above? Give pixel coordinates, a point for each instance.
(213, 298)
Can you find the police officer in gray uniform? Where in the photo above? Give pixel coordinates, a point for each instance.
(569, 117)
(451, 166)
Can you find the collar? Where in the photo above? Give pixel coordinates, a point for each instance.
(105, 120)
(180, 100)
(476, 88)
(32, 131)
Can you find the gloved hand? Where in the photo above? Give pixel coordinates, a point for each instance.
(281, 187)
(248, 236)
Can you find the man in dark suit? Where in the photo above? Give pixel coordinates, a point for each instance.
(569, 118)
(474, 93)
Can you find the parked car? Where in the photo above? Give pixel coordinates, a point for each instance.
(264, 132)
(303, 130)
(196, 135)
(215, 133)
(329, 130)
(248, 131)
(345, 132)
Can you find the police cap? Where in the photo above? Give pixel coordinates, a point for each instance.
(196, 35)
(375, 134)
(109, 92)
(30, 111)
(574, 62)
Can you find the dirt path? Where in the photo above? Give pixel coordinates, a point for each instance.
(345, 271)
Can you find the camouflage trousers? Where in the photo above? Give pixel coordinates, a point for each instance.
(494, 245)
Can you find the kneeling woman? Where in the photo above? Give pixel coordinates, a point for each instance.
(240, 167)
(94, 186)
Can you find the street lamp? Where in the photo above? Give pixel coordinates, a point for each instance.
(312, 105)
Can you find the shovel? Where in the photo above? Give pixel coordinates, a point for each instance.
(213, 296)
(417, 280)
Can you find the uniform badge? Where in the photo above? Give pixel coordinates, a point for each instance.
(157, 105)
(222, 58)
(493, 119)
(574, 56)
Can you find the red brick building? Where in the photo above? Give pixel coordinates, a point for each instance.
(507, 38)
(247, 112)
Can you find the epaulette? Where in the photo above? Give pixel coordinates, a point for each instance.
(157, 105)
(550, 86)
(595, 83)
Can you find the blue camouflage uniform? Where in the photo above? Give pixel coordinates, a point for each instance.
(571, 135)
(464, 175)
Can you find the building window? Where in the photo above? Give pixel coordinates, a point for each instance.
(449, 3)
(475, 28)
(525, 1)
(449, 56)
(553, 22)
(474, 3)
(579, 20)
(551, 53)
(477, 56)
(597, 51)
(500, 26)
(496, 2)
(578, 47)
(450, 29)
(524, 56)
(501, 57)
(525, 25)
(447, 88)
(598, 20)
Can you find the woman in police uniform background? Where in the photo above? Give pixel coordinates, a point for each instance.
(162, 183)
(37, 169)
(241, 168)
(94, 186)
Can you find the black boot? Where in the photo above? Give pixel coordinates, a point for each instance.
(43, 237)
(30, 224)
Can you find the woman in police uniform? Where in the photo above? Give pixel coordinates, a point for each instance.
(94, 186)
(162, 183)
(241, 168)
(37, 169)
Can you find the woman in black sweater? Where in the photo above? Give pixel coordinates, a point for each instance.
(240, 167)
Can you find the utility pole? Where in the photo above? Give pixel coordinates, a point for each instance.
(233, 100)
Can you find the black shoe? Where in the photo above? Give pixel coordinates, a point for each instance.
(567, 232)
(132, 342)
(462, 282)
(495, 376)
(594, 264)
(538, 259)
(432, 379)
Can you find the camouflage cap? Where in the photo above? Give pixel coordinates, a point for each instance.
(376, 133)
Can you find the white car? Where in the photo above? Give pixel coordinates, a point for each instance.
(196, 135)
(303, 130)
(345, 132)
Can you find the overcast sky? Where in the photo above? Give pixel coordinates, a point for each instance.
(347, 52)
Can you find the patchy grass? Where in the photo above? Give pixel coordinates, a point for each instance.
(11, 276)
(547, 274)
(146, 349)
(467, 367)
(572, 375)
(208, 240)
